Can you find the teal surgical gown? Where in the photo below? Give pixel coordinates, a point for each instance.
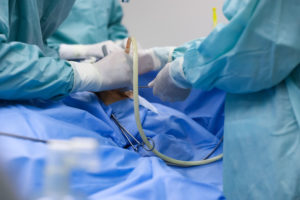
(256, 59)
(29, 68)
(91, 22)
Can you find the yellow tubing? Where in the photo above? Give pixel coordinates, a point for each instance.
(167, 159)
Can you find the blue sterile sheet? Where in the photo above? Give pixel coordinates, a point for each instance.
(124, 174)
(205, 107)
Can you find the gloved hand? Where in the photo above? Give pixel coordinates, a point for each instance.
(112, 72)
(170, 84)
(78, 51)
(154, 58)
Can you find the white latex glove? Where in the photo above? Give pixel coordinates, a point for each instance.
(154, 58)
(78, 51)
(166, 88)
(112, 72)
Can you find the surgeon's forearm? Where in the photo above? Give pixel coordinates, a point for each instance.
(250, 53)
(27, 74)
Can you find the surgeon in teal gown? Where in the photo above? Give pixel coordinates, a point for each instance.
(23, 54)
(256, 59)
(91, 22)
(30, 69)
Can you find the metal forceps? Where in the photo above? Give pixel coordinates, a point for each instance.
(128, 135)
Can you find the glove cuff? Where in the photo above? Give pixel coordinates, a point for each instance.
(86, 77)
(177, 74)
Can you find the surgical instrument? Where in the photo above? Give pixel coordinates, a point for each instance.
(127, 134)
(104, 50)
(167, 159)
(142, 87)
(22, 137)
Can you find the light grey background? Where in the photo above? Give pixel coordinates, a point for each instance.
(170, 22)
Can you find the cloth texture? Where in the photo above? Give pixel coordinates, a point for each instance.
(29, 68)
(124, 174)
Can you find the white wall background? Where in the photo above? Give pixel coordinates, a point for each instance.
(170, 22)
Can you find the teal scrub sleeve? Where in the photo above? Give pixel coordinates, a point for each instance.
(257, 50)
(25, 73)
(116, 30)
(180, 51)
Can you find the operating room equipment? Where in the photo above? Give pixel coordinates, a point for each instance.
(139, 144)
(215, 149)
(23, 137)
(63, 157)
(168, 160)
(7, 192)
(125, 1)
(143, 87)
(104, 50)
(128, 135)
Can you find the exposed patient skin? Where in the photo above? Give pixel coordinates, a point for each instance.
(112, 96)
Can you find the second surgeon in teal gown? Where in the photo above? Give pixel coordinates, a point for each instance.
(256, 59)
(90, 22)
(29, 69)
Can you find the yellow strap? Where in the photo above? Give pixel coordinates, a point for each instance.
(215, 17)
